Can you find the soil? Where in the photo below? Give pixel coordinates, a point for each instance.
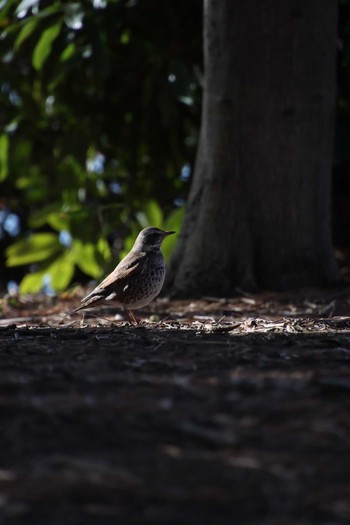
(212, 411)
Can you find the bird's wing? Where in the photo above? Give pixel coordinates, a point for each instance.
(132, 265)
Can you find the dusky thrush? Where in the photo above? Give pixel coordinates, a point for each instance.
(137, 279)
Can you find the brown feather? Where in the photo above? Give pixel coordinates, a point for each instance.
(134, 267)
(137, 279)
(115, 282)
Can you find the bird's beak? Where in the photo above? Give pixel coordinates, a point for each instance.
(168, 233)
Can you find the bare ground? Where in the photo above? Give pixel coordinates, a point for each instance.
(229, 411)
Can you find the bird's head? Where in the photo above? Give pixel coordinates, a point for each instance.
(150, 239)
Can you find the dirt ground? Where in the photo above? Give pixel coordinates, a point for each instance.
(212, 411)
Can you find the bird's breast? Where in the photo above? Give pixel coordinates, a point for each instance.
(141, 290)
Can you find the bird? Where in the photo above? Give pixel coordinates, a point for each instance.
(136, 280)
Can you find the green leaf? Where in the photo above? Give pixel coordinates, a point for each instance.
(173, 222)
(4, 150)
(32, 282)
(37, 247)
(5, 8)
(104, 249)
(84, 255)
(68, 52)
(152, 215)
(43, 48)
(125, 37)
(41, 216)
(51, 214)
(58, 221)
(61, 271)
(129, 242)
(26, 31)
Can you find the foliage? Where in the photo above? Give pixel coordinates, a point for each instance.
(100, 112)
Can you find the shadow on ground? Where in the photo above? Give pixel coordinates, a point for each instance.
(237, 421)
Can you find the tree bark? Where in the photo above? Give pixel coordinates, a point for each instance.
(258, 214)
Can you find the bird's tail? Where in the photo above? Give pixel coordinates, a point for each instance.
(92, 301)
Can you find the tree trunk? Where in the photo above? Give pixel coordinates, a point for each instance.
(258, 214)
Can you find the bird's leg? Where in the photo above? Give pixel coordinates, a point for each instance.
(132, 317)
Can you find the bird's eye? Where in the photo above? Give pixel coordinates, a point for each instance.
(154, 238)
